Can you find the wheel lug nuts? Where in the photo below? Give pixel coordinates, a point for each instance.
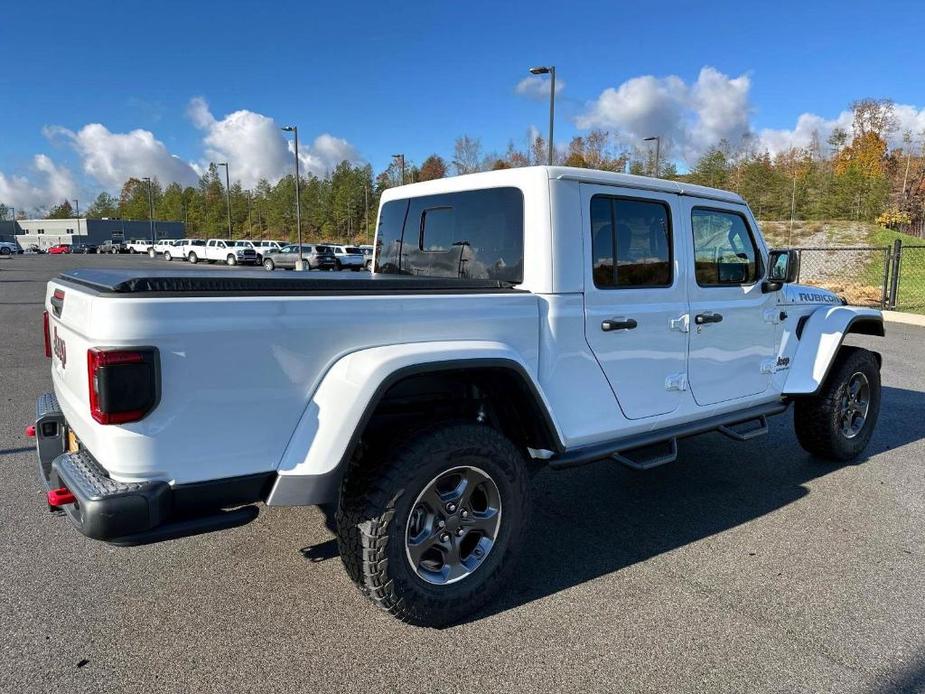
(459, 532)
(440, 523)
(445, 537)
(465, 514)
(451, 508)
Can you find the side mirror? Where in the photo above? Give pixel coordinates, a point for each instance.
(783, 268)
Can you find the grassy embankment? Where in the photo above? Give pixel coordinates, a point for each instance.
(858, 275)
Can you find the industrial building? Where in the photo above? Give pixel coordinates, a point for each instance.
(75, 231)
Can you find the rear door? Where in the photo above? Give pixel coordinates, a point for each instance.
(636, 296)
(733, 324)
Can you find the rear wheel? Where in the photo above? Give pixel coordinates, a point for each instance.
(193, 258)
(167, 256)
(268, 265)
(430, 532)
(151, 253)
(837, 422)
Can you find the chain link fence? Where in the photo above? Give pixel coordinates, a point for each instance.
(889, 277)
(909, 294)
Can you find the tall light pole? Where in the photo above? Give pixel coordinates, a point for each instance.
(150, 208)
(401, 158)
(77, 214)
(300, 263)
(366, 208)
(227, 196)
(551, 71)
(658, 146)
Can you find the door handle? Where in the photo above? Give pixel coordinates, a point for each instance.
(702, 318)
(618, 324)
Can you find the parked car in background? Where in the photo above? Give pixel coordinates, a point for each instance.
(315, 257)
(60, 248)
(191, 250)
(138, 245)
(84, 248)
(266, 246)
(160, 246)
(34, 248)
(367, 252)
(225, 251)
(10, 248)
(112, 247)
(348, 258)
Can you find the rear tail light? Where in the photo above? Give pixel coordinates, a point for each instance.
(124, 384)
(47, 331)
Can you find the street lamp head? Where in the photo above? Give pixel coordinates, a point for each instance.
(539, 70)
(288, 129)
(650, 139)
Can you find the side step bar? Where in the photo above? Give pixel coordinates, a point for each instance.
(733, 425)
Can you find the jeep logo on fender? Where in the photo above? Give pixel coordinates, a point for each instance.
(59, 348)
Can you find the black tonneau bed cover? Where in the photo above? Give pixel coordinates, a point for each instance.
(219, 282)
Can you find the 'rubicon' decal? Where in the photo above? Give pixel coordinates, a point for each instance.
(812, 297)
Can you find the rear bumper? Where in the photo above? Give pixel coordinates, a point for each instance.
(133, 513)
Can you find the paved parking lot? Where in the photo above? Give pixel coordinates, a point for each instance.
(741, 567)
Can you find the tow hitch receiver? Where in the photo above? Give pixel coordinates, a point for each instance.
(60, 497)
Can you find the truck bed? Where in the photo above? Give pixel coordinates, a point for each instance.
(217, 282)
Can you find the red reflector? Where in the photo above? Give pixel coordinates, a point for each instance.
(59, 294)
(30, 431)
(60, 497)
(47, 334)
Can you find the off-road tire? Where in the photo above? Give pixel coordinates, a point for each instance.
(375, 503)
(817, 418)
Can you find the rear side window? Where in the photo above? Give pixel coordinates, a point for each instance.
(630, 242)
(477, 234)
(724, 250)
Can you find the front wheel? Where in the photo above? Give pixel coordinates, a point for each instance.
(837, 422)
(167, 256)
(231, 260)
(430, 532)
(268, 265)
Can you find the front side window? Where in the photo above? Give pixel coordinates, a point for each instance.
(476, 234)
(630, 243)
(725, 253)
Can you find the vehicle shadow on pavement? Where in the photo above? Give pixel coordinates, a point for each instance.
(601, 518)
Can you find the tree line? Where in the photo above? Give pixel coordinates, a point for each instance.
(853, 174)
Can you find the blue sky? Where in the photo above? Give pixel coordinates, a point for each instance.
(379, 78)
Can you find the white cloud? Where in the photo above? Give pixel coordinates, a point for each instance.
(256, 148)
(692, 118)
(537, 87)
(110, 158)
(908, 118)
(689, 118)
(55, 183)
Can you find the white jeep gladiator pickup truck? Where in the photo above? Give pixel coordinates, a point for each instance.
(515, 319)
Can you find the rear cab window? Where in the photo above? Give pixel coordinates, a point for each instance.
(631, 242)
(477, 234)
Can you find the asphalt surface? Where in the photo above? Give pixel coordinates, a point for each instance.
(741, 567)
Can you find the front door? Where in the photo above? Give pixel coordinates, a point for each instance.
(635, 296)
(733, 324)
